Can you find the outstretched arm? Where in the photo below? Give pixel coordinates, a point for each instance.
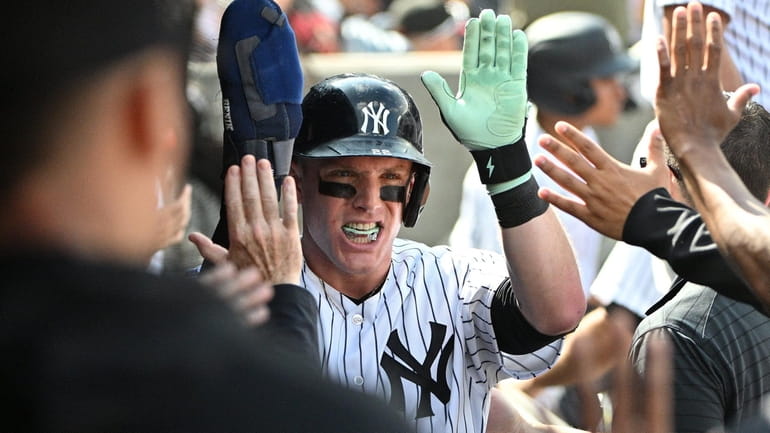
(630, 204)
(695, 120)
(487, 115)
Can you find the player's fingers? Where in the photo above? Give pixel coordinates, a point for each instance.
(503, 41)
(713, 44)
(587, 148)
(664, 65)
(624, 401)
(218, 274)
(487, 38)
(657, 387)
(250, 188)
(234, 199)
(561, 176)
(679, 41)
(248, 280)
(570, 206)
(243, 282)
(519, 55)
(256, 296)
(695, 36)
(208, 249)
(289, 202)
(741, 97)
(471, 44)
(258, 317)
(267, 190)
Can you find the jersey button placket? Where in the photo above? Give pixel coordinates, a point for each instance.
(357, 319)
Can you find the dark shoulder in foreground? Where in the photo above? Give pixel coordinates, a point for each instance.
(100, 347)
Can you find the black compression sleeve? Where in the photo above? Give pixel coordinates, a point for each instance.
(514, 333)
(676, 233)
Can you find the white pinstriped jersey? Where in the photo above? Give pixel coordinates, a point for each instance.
(425, 341)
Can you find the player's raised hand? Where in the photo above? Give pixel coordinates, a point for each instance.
(607, 187)
(490, 105)
(689, 103)
(243, 289)
(262, 233)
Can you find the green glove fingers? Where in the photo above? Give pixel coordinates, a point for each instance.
(519, 55)
(503, 41)
(490, 106)
(487, 38)
(439, 90)
(471, 44)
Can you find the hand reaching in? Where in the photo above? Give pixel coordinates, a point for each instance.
(259, 235)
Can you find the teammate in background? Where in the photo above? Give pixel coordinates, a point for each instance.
(738, 222)
(575, 59)
(428, 329)
(91, 342)
(719, 350)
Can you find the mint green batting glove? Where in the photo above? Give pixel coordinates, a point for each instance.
(488, 113)
(491, 102)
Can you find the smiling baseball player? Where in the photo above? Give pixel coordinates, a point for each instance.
(429, 329)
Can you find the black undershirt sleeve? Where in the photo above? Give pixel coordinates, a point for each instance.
(676, 233)
(515, 335)
(293, 324)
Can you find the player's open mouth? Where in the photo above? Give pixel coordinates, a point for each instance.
(361, 233)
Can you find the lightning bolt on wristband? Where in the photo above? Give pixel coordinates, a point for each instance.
(504, 163)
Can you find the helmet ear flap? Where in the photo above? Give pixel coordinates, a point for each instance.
(418, 196)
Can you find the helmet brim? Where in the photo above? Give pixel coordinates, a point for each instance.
(618, 64)
(393, 147)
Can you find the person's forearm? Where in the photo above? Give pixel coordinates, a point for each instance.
(738, 222)
(676, 233)
(544, 274)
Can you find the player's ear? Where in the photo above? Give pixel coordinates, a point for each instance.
(154, 110)
(767, 198)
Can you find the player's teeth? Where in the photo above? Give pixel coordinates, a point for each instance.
(361, 232)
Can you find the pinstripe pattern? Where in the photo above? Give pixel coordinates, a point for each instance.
(747, 38)
(425, 285)
(721, 358)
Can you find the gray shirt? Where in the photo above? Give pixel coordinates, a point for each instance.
(721, 351)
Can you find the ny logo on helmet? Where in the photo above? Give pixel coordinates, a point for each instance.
(379, 118)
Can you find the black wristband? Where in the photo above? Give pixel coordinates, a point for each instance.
(504, 163)
(519, 205)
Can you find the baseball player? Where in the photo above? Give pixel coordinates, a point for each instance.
(429, 329)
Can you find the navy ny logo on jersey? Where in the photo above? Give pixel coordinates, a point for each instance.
(418, 373)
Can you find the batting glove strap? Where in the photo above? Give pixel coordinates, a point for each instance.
(504, 163)
(519, 205)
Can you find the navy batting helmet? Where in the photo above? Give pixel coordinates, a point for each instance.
(566, 50)
(365, 115)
